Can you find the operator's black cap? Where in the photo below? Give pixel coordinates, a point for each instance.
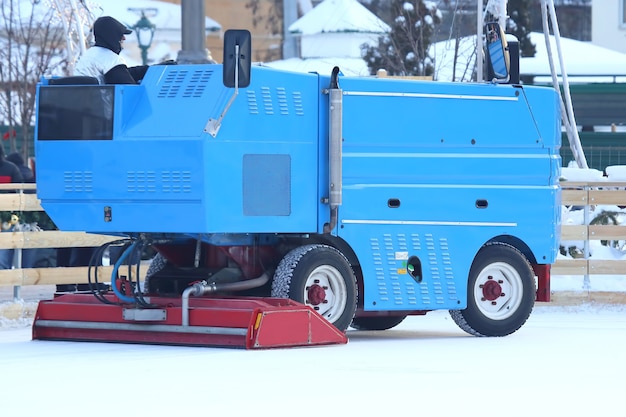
(105, 23)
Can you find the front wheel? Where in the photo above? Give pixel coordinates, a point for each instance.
(321, 277)
(501, 292)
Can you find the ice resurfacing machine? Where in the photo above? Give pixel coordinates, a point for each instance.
(286, 207)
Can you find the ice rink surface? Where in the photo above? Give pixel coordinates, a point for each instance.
(565, 361)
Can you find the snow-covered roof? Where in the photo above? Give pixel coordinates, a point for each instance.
(348, 66)
(339, 16)
(580, 58)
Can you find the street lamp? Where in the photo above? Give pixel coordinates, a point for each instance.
(144, 29)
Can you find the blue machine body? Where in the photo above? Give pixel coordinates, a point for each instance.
(429, 169)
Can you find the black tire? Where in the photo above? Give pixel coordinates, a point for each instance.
(319, 276)
(376, 323)
(500, 292)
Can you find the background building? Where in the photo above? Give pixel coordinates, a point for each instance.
(609, 24)
(331, 34)
(262, 22)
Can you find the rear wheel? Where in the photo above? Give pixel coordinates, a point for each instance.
(321, 277)
(501, 292)
(376, 323)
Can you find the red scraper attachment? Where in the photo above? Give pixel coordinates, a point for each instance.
(251, 323)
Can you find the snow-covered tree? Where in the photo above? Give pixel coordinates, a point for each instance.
(37, 38)
(404, 51)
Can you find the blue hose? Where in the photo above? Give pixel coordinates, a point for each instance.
(114, 278)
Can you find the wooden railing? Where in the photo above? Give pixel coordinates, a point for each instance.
(14, 199)
(586, 195)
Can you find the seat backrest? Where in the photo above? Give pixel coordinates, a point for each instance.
(74, 80)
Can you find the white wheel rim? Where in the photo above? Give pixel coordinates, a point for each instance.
(325, 290)
(498, 291)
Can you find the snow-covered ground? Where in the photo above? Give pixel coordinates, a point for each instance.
(563, 362)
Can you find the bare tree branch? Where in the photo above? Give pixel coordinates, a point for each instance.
(30, 46)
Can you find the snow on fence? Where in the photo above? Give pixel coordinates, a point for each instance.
(582, 195)
(15, 198)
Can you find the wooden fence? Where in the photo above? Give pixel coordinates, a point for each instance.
(586, 195)
(15, 199)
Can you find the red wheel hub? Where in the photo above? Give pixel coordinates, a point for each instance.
(316, 294)
(491, 290)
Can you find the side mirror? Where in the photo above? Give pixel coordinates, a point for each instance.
(499, 58)
(236, 62)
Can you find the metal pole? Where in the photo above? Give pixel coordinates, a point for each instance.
(17, 294)
(193, 33)
(586, 217)
(17, 263)
(144, 54)
(290, 13)
(479, 41)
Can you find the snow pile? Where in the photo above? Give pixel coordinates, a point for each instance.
(581, 175)
(616, 173)
(17, 314)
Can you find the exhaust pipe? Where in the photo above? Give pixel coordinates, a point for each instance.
(202, 288)
(335, 138)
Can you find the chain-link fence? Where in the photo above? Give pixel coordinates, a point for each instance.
(601, 149)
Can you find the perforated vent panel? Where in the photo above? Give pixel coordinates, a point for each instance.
(141, 181)
(163, 182)
(275, 101)
(390, 270)
(78, 181)
(184, 83)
